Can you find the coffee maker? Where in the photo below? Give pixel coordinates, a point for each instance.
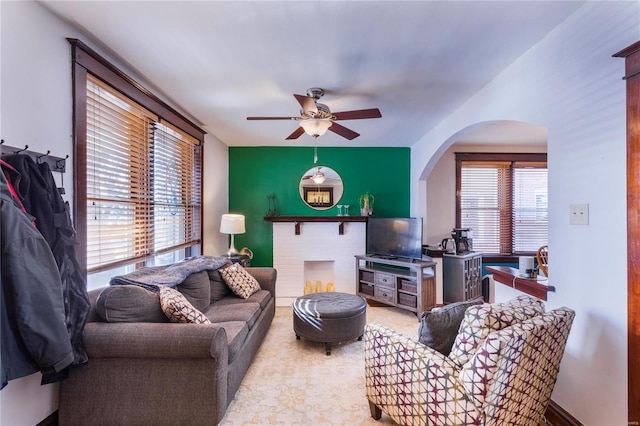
(463, 238)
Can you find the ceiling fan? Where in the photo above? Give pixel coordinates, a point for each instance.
(318, 177)
(316, 118)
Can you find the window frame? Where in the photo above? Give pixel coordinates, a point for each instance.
(87, 61)
(518, 157)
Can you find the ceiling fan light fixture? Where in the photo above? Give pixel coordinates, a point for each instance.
(318, 178)
(316, 126)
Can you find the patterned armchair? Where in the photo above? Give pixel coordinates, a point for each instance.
(501, 370)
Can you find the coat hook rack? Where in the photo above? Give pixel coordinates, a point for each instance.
(57, 164)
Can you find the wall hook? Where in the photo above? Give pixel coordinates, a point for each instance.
(43, 155)
(61, 163)
(26, 147)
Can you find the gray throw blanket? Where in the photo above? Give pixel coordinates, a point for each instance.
(152, 277)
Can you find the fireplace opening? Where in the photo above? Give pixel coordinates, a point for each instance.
(319, 273)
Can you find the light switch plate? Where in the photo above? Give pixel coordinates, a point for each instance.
(579, 214)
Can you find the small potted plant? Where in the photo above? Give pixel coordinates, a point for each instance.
(366, 204)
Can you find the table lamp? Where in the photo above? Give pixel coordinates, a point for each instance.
(232, 224)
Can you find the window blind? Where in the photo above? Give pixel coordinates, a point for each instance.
(530, 218)
(176, 189)
(505, 204)
(482, 204)
(143, 181)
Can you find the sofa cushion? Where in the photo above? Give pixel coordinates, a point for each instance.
(248, 312)
(261, 297)
(178, 309)
(197, 290)
(129, 303)
(481, 320)
(237, 332)
(219, 289)
(239, 281)
(438, 328)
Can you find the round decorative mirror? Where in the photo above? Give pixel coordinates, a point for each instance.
(321, 187)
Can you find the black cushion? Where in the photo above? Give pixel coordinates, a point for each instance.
(219, 289)
(439, 328)
(129, 303)
(197, 290)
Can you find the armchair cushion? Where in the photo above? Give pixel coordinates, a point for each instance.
(481, 320)
(438, 328)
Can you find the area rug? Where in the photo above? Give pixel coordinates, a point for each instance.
(293, 382)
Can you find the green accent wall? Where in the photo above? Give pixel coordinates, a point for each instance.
(255, 172)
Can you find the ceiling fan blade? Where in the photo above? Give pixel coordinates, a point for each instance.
(357, 114)
(271, 118)
(307, 103)
(296, 134)
(343, 131)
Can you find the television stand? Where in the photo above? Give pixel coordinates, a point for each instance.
(404, 283)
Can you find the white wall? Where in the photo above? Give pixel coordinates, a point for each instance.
(215, 195)
(570, 84)
(36, 109)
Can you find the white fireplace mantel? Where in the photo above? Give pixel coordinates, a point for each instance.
(311, 248)
(299, 220)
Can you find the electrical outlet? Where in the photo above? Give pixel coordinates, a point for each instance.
(579, 214)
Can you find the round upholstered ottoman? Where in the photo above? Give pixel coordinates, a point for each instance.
(330, 317)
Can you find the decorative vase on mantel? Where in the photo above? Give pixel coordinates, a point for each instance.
(366, 204)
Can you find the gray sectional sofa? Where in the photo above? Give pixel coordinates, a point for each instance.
(145, 370)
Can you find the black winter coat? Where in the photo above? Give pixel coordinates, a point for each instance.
(33, 329)
(39, 194)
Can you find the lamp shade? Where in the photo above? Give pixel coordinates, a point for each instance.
(232, 224)
(316, 126)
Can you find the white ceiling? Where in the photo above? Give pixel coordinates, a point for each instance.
(221, 61)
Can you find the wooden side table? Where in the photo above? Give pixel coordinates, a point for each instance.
(242, 259)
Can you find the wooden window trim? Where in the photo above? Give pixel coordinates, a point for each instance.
(85, 60)
(91, 61)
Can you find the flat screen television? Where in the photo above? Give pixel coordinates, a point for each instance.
(394, 237)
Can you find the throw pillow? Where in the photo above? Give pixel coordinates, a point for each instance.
(240, 282)
(178, 309)
(129, 303)
(219, 289)
(480, 321)
(439, 328)
(197, 290)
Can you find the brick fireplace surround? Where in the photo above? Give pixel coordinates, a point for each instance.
(319, 252)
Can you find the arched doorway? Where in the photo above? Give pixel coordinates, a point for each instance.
(439, 172)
